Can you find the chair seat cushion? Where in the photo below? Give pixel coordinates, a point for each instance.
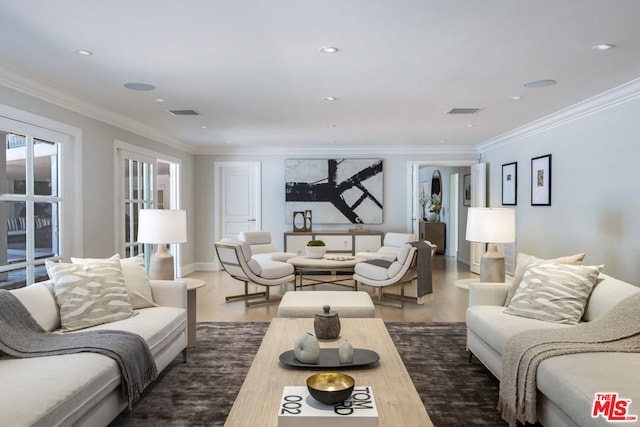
(275, 269)
(273, 256)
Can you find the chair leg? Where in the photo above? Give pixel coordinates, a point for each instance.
(381, 301)
(246, 294)
(267, 299)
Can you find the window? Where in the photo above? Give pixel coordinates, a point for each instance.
(30, 205)
(146, 181)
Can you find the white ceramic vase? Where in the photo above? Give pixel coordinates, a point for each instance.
(315, 251)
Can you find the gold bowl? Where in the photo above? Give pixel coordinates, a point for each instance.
(330, 388)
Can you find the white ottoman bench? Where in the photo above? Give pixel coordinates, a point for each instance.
(307, 303)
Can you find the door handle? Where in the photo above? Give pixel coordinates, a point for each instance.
(251, 220)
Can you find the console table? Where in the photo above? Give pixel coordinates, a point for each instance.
(435, 232)
(337, 241)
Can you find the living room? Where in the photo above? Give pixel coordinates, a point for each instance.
(591, 136)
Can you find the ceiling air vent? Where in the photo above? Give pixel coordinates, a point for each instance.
(464, 110)
(183, 112)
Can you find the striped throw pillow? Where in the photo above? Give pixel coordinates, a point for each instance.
(89, 294)
(554, 292)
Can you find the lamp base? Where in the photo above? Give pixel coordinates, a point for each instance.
(161, 264)
(492, 265)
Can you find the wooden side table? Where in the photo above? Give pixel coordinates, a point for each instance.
(192, 285)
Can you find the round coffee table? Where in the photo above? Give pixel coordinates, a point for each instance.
(333, 263)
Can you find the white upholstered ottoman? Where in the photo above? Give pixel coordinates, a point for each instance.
(307, 303)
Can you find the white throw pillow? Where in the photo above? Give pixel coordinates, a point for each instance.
(89, 294)
(135, 279)
(554, 292)
(523, 261)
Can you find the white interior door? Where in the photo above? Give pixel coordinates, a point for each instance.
(237, 198)
(479, 200)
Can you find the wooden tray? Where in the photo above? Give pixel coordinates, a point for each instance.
(329, 359)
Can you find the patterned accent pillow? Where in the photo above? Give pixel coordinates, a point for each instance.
(523, 261)
(554, 292)
(89, 294)
(135, 279)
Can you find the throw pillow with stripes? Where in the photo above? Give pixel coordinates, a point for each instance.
(89, 294)
(554, 292)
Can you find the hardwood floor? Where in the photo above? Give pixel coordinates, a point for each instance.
(447, 304)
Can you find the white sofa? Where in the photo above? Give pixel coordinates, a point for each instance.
(566, 384)
(83, 389)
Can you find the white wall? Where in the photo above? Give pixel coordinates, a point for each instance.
(595, 196)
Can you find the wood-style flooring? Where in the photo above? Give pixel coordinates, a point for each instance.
(447, 304)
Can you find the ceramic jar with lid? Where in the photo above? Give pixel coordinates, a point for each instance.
(326, 324)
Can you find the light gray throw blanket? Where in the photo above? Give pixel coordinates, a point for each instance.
(616, 331)
(22, 336)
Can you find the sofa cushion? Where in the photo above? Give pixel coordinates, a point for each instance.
(89, 294)
(41, 303)
(523, 260)
(606, 293)
(495, 326)
(571, 382)
(135, 279)
(554, 292)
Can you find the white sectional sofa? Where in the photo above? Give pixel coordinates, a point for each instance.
(83, 389)
(566, 384)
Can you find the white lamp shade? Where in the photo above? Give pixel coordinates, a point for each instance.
(162, 226)
(491, 225)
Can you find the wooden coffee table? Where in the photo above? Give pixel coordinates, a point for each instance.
(396, 397)
(333, 263)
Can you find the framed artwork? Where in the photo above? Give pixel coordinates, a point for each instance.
(338, 191)
(541, 181)
(510, 184)
(466, 190)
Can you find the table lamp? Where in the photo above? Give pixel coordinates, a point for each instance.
(491, 225)
(162, 226)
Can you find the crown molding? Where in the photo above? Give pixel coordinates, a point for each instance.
(612, 98)
(41, 90)
(230, 150)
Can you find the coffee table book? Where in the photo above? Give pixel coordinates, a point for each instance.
(298, 408)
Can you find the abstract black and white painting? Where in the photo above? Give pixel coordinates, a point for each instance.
(338, 191)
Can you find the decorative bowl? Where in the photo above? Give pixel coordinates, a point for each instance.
(330, 388)
(316, 252)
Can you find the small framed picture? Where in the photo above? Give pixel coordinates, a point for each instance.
(541, 181)
(510, 184)
(466, 190)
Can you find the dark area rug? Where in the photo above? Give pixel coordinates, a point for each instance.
(201, 392)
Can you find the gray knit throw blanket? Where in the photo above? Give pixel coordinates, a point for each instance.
(22, 336)
(616, 331)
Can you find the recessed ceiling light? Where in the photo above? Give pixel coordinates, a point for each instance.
(603, 46)
(159, 99)
(469, 125)
(443, 141)
(515, 97)
(540, 83)
(83, 52)
(203, 127)
(139, 86)
(331, 126)
(329, 49)
(229, 142)
(330, 98)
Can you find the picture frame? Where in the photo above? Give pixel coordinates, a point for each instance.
(541, 180)
(510, 184)
(466, 190)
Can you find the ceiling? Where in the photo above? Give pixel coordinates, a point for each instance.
(254, 72)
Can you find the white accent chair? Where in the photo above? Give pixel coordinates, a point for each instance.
(400, 271)
(262, 248)
(390, 246)
(235, 258)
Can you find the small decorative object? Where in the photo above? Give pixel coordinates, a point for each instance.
(423, 199)
(316, 249)
(302, 221)
(306, 348)
(345, 353)
(510, 184)
(541, 181)
(327, 324)
(330, 388)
